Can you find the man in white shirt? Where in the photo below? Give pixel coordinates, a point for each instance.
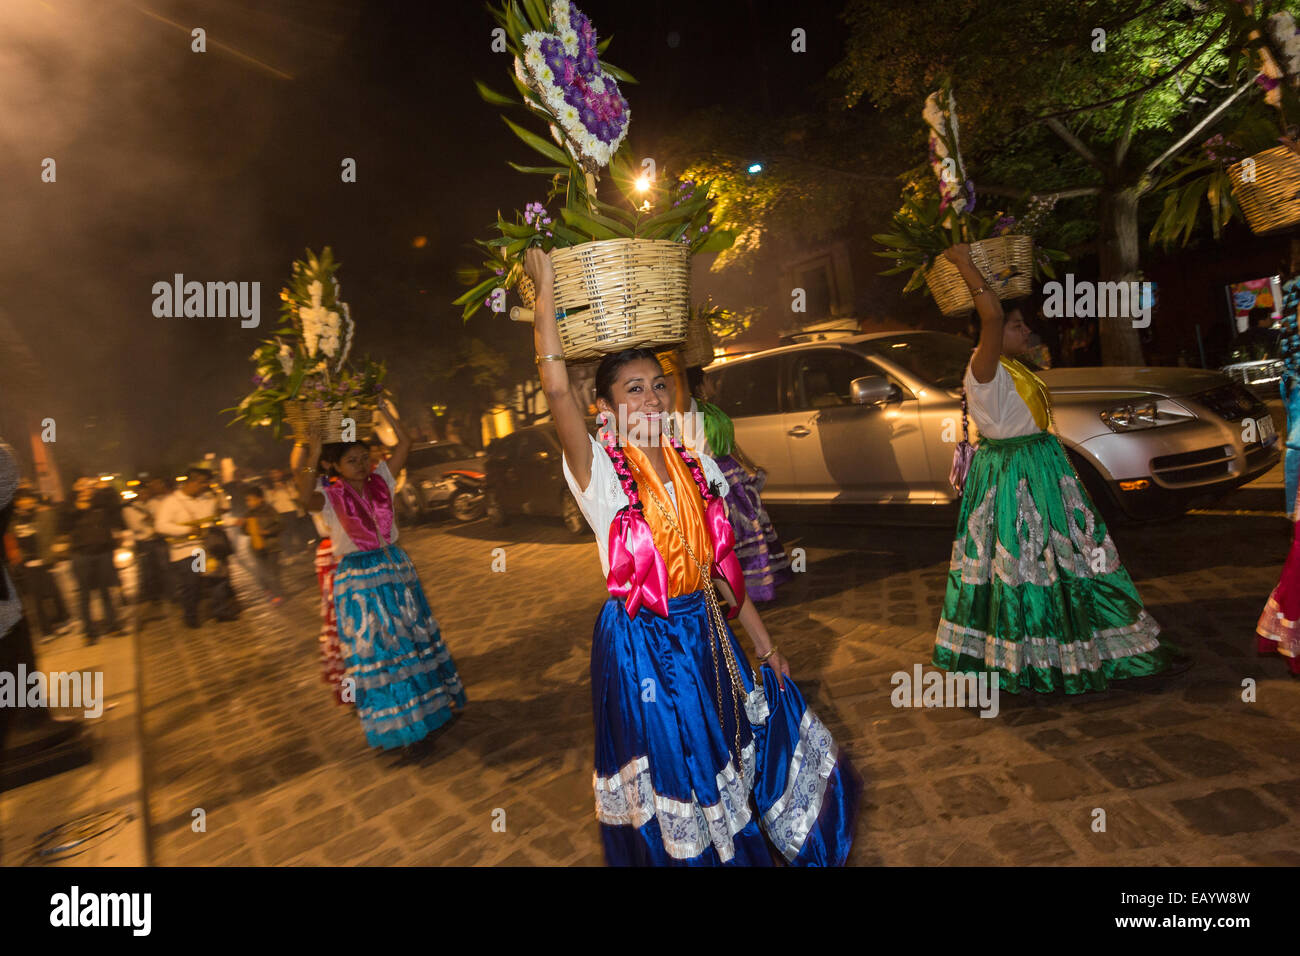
(187, 518)
(148, 545)
(297, 527)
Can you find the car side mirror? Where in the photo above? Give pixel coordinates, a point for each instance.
(873, 390)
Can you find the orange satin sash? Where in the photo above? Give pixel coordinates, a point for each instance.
(683, 574)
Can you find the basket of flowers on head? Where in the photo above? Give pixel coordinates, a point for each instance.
(622, 268)
(1002, 245)
(303, 377)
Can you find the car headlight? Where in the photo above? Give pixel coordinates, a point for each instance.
(1151, 413)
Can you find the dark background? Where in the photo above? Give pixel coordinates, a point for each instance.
(225, 165)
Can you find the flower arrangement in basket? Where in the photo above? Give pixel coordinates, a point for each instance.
(1245, 173)
(622, 268)
(302, 372)
(930, 222)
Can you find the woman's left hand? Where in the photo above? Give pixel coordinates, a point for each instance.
(780, 667)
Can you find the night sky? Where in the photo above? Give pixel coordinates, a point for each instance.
(225, 165)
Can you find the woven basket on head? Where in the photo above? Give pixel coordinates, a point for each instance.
(621, 293)
(1011, 273)
(697, 350)
(527, 291)
(325, 423)
(1267, 187)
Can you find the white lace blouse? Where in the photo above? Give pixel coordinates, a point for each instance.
(601, 500)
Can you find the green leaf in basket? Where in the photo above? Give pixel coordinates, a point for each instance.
(479, 291)
(717, 241)
(541, 170)
(542, 146)
(538, 18)
(620, 75)
(567, 234)
(597, 227)
(492, 96)
(515, 230)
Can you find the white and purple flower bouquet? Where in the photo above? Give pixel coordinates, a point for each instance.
(306, 360)
(560, 77)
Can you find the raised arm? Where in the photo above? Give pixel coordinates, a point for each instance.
(985, 361)
(396, 460)
(570, 419)
(302, 463)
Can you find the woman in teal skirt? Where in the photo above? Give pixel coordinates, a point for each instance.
(1036, 591)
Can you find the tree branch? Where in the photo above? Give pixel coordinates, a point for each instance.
(1127, 121)
(1145, 87)
(1208, 120)
(1013, 193)
(1076, 144)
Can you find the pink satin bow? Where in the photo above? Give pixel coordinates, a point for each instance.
(724, 552)
(636, 570)
(637, 573)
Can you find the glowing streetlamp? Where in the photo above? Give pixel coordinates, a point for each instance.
(755, 168)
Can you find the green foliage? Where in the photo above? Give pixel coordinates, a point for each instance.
(1018, 62)
(725, 324)
(924, 228)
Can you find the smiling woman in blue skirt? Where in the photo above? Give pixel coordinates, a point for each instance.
(696, 757)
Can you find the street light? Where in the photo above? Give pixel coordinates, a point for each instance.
(755, 168)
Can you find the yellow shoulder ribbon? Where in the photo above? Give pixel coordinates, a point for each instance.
(1032, 390)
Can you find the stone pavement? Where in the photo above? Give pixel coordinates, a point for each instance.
(238, 723)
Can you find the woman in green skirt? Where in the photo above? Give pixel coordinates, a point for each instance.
(1036, 591)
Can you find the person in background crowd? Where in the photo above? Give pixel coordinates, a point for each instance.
(1278, 628)
(92, 520)
(297, 530)
(261, 523)
(33, 745)
(190, 517)
(378, 452)
(333, 667)
(1260, 340)
(33, 528)
(138, 513)
(1082, 338)
(1289, 386)
(762, 556)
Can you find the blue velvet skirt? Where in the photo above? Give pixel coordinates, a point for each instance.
(668, 789)
(405, 681)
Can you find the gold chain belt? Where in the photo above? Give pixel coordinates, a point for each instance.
(717, 628)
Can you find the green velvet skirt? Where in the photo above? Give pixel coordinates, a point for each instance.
(1036, 591)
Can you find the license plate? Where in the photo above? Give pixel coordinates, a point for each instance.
(1267, 433)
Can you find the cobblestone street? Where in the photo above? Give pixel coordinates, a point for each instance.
(239, 724)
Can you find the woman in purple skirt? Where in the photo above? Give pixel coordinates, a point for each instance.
(761, 554)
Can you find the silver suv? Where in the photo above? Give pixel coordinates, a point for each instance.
(872, 420)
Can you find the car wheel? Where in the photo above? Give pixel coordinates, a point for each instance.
(572, 515)
(496, 515)
(467, 506)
